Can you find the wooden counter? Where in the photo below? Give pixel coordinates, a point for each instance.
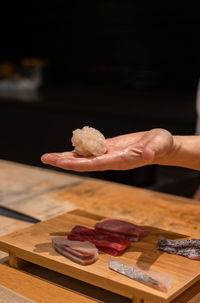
(45, 193)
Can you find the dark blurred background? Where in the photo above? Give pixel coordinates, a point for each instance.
(118, 66)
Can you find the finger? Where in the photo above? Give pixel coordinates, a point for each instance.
(100, 163)
(71, 161)
(49, 158)
(52, 158)
(83, 164)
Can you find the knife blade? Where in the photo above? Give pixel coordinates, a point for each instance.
(11, 213)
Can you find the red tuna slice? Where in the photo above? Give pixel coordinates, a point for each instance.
(122, 236)
(109, 244)
(83, 253)
(123, 228)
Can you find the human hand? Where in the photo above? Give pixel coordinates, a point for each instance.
(124, 152)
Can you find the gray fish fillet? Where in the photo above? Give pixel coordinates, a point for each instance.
(138, 275)
(180, 243)
(188, 252)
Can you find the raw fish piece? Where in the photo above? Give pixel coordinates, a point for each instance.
(122, 236)
(83, 253)
(188, 252)
(180, 243)
(88, 141)
(187, 248)
(109, 244)
(153, 279)
(121, 228)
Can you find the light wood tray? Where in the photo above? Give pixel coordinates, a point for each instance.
(33, 244)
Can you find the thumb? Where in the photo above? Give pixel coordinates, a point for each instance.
(157, 144)
(148, 154)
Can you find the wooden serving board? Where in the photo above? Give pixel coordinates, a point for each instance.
(33, 244)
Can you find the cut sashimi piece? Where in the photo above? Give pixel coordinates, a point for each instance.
(187, 248)
(155, 280)
(83, 253)
(179, 243)
(107, 243)
(122, 236)
(188, 252)
(121, 228)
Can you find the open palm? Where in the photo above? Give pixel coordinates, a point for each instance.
(124, 152)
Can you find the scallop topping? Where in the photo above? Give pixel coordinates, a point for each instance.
(88, 141)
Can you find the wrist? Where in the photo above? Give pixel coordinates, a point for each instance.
(185, 152)
(173, 155)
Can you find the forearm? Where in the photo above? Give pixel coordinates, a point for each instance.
(185, 153)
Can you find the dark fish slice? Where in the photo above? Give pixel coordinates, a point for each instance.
(107, 243)
(140, 275)
(123, 236)
(116, 226)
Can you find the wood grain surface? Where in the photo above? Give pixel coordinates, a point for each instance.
(65, 190)
(37, 289)
(45, 193)
(31, 190)
(19, 181)
(33, 244)
(7, 295)
(169, 212)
